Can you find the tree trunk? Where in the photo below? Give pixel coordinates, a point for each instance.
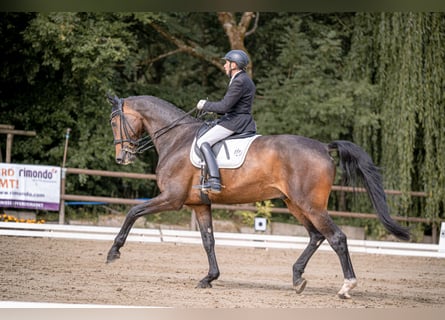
(236, 32)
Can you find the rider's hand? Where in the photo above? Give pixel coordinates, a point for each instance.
(201, 104)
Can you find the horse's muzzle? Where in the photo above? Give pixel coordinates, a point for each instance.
(124, 157)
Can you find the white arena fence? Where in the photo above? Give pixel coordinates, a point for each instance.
(256, 240)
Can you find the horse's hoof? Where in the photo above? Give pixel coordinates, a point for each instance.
(348, 285)
(344, 296)
(203, 285)
(113, 256)
(300, 285)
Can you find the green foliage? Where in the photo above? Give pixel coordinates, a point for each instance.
(263, 210)
(72, 60)
(403, 54)
(306, 92)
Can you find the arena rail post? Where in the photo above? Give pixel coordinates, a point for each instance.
(63, 179)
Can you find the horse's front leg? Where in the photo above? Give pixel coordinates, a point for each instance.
(158, 204)
(204, 218)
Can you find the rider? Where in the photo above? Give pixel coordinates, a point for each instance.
(236, 111)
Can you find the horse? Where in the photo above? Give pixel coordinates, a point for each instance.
(296, 169)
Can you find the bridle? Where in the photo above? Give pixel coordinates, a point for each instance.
(145, 142)
(137, 145)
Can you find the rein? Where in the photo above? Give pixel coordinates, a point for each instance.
(167, 128)
(146, 142)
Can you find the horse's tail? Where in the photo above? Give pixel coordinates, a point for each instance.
(356, 164)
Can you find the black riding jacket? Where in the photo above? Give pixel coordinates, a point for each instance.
(236, 106)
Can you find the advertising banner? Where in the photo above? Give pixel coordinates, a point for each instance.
(30, 186)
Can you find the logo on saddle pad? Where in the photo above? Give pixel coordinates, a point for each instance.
(230, 153)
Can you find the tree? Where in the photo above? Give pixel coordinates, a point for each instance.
(403, 54)
(236, 32)
(305, 91)
(67, 63)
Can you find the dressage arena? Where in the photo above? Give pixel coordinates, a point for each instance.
(73, 271)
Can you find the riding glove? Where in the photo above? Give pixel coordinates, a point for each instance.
(201, 104)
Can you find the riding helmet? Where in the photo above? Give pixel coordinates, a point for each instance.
(239, 57)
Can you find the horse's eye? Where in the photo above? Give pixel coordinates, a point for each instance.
(113, 125)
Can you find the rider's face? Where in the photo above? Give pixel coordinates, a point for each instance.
(229, 67)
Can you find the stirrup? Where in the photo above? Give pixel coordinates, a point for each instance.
(215, 184)
(215, 188)
(203, 187)
(209, 186)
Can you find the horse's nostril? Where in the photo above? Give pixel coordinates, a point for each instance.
(120, 156)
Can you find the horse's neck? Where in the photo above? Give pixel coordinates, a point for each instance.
(159, 117)
(177, 139)
(157, 120)
(156, 112)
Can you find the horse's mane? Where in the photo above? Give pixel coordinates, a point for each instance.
(166, 107)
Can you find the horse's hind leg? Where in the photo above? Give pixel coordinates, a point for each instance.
(316, 239)
(337, 240)
(320, 226)
(204, 218)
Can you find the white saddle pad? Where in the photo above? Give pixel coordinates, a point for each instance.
(230, 156)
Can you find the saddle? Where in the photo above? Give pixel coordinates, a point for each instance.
(230, 153)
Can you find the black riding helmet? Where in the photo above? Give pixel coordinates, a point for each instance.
(239, 57)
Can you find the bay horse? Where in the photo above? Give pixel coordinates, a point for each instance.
(296, 169)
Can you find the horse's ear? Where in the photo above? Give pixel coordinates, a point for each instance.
(114, 100)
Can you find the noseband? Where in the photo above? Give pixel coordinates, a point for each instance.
(137, 145)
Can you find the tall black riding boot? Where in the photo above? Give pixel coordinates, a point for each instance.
(214, 182)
